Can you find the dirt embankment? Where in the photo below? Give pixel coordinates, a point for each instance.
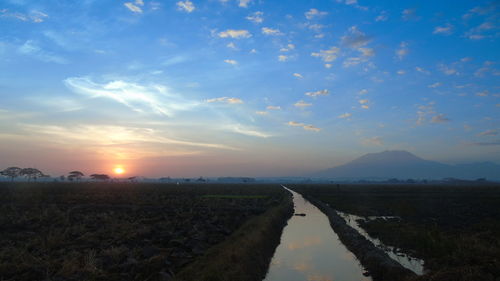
(376, 261)
(245, 255)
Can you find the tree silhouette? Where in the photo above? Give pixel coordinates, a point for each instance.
(31, 173)
(75, 175)
(12, 172)
(99, 177)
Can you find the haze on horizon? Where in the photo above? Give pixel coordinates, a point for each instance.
(245, 87)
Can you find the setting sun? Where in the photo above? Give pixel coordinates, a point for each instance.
(119, 170)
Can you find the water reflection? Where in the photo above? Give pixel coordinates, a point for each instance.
(413, 264)
(310, 250)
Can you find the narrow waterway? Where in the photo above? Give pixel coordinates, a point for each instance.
(310, 250)
(413, 264)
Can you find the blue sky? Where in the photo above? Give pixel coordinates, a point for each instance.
(245, 87)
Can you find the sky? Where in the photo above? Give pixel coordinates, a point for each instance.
(245, 87)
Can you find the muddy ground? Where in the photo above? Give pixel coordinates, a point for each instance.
(119, 231)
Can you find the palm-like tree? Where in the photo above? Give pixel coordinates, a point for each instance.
(12, 172)
(75, 175)
(99, 177)
(31, 173)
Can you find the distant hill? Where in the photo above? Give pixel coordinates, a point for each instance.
(405, 165)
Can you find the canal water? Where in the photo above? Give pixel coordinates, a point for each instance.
(413, 264)
(310, 250)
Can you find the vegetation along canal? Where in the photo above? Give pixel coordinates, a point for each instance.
(310, 249)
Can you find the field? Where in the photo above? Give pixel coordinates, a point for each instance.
(125, 231)
(454, 229)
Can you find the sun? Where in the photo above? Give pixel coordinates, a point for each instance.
(119, 170)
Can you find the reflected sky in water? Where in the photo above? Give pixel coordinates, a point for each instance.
(310, 250)
(413, 264)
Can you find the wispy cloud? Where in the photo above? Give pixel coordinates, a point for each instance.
(34, 16)
(135, 6)
(383, 16)
(327, 55)
(367, 52)
(489, 133)
(304, 126)
(283, 58)
(231, 45)
(484, 93)
(236, 34)
(422, 70)
(232, 62)
(31, 48)
(352, 61)
(486, 69)
(289, 47)
(316, 27)
(345, 115)
(295, 124)
(244, 3)
(364, 103)
(448, 70)
(481, 10)
(444, 30)
(186, 6)
(153, 98)
(409, 14)
(271, 31)
(355, 38)
(492, 143)
(311, 128)
(227, 100)
(273, 107)
(487, 29)
(256, 17)
(323, 92)
(302, 104)
(314, 13)
(378, 141)
(298, 75)
(403, 50)
(440, 118)
(435, 85)
(428, 110)
(248, 131)
(120, 142)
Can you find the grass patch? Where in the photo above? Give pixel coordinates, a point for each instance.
(105, 231)
(246, 254)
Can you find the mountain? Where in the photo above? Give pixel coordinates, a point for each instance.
(405, 165)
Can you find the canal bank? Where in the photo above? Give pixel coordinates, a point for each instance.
(246, 254)
(311, 250)
(380, 266)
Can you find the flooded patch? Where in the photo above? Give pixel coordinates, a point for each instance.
(310, 249)
(413, 264)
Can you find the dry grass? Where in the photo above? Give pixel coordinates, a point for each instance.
(109, 231)
(245, 255)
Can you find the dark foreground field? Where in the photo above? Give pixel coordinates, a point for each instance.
(454, 229)
(120, 231)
